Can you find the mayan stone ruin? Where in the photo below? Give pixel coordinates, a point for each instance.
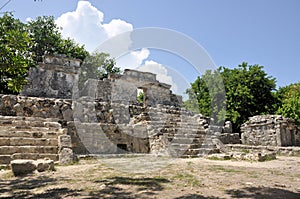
(52, 118)
(270, 130)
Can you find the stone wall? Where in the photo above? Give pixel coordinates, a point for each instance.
(270, 130)
(105, 117)
(13, 105)
(123, 89)
(54, 78)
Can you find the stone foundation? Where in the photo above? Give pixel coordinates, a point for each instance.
(270, 130)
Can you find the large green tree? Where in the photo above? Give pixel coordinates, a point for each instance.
(289, 98)
(47, 39)
(16, 57)
(23, 45)
(249, 92)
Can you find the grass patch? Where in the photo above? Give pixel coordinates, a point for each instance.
(246, 151)
(218, 158)
(7, 176)
(187, 179)
(223, 169)
(189, 163)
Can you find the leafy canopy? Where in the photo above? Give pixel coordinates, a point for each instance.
(289, 97)
(16, 57)
(23, 46)
(249, 91)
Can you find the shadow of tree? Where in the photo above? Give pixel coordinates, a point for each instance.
(195, 196)
(263, 192)
(145, 187)
(21, 187)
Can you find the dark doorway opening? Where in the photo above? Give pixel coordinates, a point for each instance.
(122, 148)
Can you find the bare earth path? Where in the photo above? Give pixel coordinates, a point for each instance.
(159, 177)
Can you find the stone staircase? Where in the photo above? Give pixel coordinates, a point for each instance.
(185, 134)
(28, 138)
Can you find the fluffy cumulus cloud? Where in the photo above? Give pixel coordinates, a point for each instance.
(161, 73)
(133, 59)
(85, 25)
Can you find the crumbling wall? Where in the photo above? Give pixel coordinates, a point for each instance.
(123, 89)
(54, 78)
(13, 105)
(270, 130)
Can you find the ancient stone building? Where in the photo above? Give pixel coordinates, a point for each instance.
(270, 130)
(54, 118)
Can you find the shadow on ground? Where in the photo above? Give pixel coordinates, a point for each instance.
(21, 187)
(144, 187)
(121, 187)
(262, 193)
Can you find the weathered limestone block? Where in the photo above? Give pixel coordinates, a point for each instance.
(22, 166)
(229, 138)
(66, 156)
(54, 78)
(228, 127)
(44, 165)
(273, 130)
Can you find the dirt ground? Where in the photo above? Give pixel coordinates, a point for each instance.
(159, 177)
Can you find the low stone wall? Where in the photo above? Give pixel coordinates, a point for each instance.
(270, 130)
(13, 105)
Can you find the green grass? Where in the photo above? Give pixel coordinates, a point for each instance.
(7, 176)
(217, 158)
(187, 179)
(223, 169)
(246, 151)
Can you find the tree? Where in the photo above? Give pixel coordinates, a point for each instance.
(289, 97)
(249, 92)
(23, 45)
(97, 66)
(207, 96)
(16, 57)
(48, 40)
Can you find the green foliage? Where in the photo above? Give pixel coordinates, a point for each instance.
(289, 97)
(23, 45)
(97, 66)
(248, 93)
(207, 96)
(140, 97)
(48, 40)
(15, 55)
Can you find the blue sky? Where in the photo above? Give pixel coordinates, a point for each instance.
(259, 32)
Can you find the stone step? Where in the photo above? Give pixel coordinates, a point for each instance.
(9, 150)
(163, 124)
(34, 156)
(182, 153)
(30, 123)
(24, 141)
(31, 134)
(187, 140)
(185, 146)
(190, 134)
(5, 159)
(22, 118)
(27, 128)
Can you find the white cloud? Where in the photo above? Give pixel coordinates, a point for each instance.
(161, 73)
(133, 59)
(117, 26)
(85, 25)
